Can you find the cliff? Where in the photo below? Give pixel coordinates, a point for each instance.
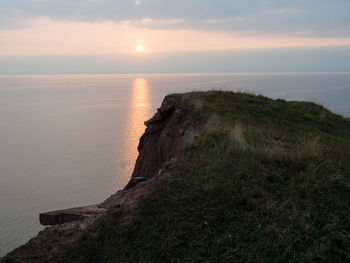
(220, 177)
(167, 133)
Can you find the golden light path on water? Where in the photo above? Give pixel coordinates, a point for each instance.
(139, 111)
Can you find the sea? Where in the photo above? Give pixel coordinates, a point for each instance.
(71, 140)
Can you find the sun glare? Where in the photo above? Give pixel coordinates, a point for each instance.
(140, 48)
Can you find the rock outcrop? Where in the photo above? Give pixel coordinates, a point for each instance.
(69, 215)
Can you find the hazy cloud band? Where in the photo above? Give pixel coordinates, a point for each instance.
(300, 17)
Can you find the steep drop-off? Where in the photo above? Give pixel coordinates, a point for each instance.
(167, 133)
(221, 177)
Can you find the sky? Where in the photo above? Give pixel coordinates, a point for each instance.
(46, 36)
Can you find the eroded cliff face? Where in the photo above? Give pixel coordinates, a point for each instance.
(172, 128)
(168, 131)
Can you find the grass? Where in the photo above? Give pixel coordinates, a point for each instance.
(266, 181)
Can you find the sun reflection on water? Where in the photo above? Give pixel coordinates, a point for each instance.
(139, 111)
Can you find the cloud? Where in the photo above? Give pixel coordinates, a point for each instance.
(152, 22)
(281, 11)
(312, 17)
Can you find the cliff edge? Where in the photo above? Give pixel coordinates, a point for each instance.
(220, 177)
(172, 128)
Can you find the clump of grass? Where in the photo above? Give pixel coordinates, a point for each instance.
(266, 181)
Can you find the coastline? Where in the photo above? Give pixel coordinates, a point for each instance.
(70, 224)
(217, 162)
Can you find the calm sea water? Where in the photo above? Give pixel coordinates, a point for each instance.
(71, 140)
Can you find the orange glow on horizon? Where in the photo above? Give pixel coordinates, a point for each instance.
(42, 36)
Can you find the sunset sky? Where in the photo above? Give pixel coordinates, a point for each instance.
(50, 35)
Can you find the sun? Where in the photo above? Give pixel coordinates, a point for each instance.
(140, 48)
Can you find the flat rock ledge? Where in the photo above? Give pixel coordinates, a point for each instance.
(69, 215)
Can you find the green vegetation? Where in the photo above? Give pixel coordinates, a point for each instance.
(266, 181)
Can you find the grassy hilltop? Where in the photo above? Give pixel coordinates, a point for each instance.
(266, 181)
